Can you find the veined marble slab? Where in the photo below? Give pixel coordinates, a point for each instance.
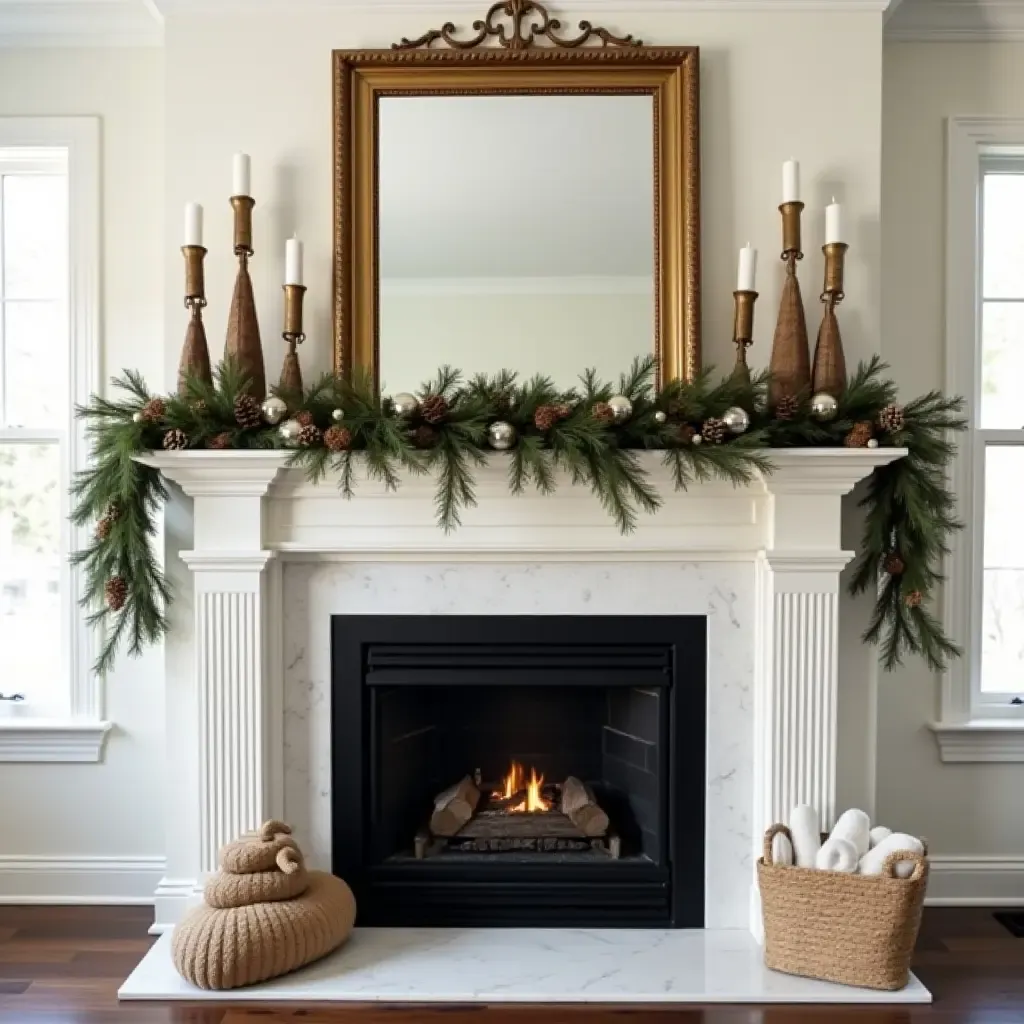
(526, 965)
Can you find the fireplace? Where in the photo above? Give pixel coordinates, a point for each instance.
(520, 770)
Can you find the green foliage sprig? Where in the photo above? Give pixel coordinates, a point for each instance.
(909, 508)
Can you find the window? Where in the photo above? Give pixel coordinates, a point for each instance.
(49, 207)
(982, 716)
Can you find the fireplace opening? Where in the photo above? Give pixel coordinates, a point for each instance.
(520, 770)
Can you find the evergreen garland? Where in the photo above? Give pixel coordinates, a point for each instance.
(909, 517)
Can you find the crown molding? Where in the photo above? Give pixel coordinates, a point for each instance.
(42, 23)
(957, 21)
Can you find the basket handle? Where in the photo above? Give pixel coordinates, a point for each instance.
(898, 856)
(769, 836)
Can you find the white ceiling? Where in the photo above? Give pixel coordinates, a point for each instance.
(956, 20)
(516, 186)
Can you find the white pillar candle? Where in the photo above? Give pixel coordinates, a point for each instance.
(833, 222)
(791, 181)
(193, 224)
(747, 276)
(293, 261)
(240, 179)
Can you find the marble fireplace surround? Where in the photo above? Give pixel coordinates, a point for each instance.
(274, 557)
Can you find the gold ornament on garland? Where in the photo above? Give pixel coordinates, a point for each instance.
(501, 435)
(621, 407)
(116, 593)
(274, 410)
(404, 404)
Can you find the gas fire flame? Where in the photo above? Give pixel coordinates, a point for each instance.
(515, 781)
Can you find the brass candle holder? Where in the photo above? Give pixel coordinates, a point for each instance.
(195, 352)
(790, 364)
(291, 374)
(743, 332)
(243, 344)
(829, 374)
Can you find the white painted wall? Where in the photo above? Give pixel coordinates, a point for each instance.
(78, 813)
(967, 810)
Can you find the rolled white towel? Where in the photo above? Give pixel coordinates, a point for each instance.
(855, 827)
(873, 861)
(837, 854)
(782, 850)
(878, 833)
(806, 830)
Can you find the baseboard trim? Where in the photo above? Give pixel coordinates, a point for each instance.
(976, 882)
(82, 880)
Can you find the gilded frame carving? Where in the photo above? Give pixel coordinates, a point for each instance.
(620, 65)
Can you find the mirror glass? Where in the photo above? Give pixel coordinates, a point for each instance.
(515, 232)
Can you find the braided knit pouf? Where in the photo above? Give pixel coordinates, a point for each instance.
(263, 923)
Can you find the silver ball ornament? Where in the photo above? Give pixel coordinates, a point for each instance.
(736, 420)
(405, 404)
(697, 439)
(873, 442)
(289, 431)
(137, 417)
(274, 410)
(660, 417)
(338, 415)
(621, 407)
(824, 407)
(501, 435)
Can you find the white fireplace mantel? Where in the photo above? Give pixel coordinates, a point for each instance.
(251, 512)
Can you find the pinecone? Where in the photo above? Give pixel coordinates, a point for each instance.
(103, 528)
(602, 412)
(686, 433)
(175, 440)
(787, 407)
(545, 417)
(338, 439)
(309, 436)
(116, 592)
(564, 410)
(424, 436)
(860, 435)
(113, 512)
(220, 441)
(248, 413)
(891, 418)
(893, 564)
(305, 418)
(713, 430)
(153, 410)
(434, 408)
(913, 599)
(198, 407)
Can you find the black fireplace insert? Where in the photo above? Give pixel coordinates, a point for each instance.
(520, 770)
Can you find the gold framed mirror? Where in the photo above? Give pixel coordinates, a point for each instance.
(516, 197)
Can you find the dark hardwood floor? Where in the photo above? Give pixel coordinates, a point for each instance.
(63, 965)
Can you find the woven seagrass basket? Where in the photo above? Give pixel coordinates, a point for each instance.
(852, 929)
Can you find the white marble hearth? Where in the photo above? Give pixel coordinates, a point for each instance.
(524, 965)
(273, 557)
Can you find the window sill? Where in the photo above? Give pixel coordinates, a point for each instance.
(980, 740)
(48, 739)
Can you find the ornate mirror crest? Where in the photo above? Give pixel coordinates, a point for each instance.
(518, 49)
(538, 23)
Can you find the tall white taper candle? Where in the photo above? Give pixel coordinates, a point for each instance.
(193, 224)
(241, 175)
(791, 181)
(834, 222)
(746, 278)
(293, 261)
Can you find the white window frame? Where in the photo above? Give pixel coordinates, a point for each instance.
(971, 728)
(80, 735)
